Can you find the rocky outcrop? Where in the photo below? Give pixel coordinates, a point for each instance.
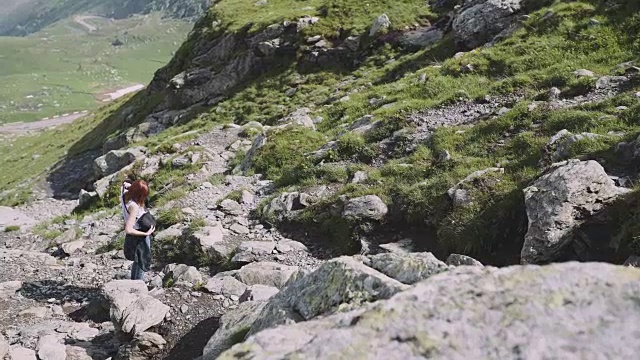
(556, 311)
(115, 160)
(335, 286)
(266, 273)
(480, 20)
(369, 207)
(561, 201)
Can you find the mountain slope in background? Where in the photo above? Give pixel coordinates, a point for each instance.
(28, 16)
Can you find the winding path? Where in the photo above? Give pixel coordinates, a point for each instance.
(82, 20)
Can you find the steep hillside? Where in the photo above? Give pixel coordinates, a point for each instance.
(326, 172)
(439, 143)
(27, 17)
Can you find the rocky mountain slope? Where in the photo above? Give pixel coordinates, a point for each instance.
(311, 167)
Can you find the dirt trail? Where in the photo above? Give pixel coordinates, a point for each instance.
(82, 20)
(20, 128)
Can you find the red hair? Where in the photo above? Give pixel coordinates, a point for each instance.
(138, 192)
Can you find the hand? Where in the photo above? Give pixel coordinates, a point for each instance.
(153, 228)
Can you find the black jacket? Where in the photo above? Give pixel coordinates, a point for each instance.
(136, 250)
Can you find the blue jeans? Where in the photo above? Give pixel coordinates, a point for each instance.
(136, 270)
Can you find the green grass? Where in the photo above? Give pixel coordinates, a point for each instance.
(349, 15)
(11, 228)
(63, 68)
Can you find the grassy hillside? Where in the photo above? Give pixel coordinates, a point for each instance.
(65, 68)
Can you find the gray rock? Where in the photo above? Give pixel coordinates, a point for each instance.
(607, 82)
(459, 194)
(300, 117)
(571, 309)
(480, 20)
(50, 347)
(408, 268)
(145, 345)
(233, 328)
(4, 347)
(239, 229)
(247, 198)
(421, 38)
(359, 177)
(115, 160)
(258, 293)
(9, 288)
(335, 286)
(286, 246)
(180, 161)
(247, 161)
(225, 285)
(72, 247)
(181, 273)
(584, 73)
(381, 22)
(554, 94)
(37, 312)
(250, 251)
(18, 352)
(368, 207)
(86, 198)
(560, 201)
(282, 206)
(142, 314)
(460, 260)
(231, 207)
(266, 273)
(67, 236)
(207, 237)
(563, 149)
(175, 231)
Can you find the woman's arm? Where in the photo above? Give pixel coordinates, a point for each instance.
(131, 221)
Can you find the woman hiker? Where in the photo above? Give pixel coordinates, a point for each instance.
(137, 246)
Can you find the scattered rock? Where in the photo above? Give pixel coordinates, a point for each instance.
(369, 207)
(258, 293)
(560, 201)
(72, 247)
(359, 177)
(208, 237)
(231, 207)
(250, 251)
(460, 260)
(8, 289)
(381, 22)
(38, 312)
(266, 273)
(286, 246)
(50, 347)
(584, 73)
(299, 117)
(86, 198)
(225, 285)
(181, 274)
(17, 352)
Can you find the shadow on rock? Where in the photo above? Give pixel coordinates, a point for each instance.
(190, 346)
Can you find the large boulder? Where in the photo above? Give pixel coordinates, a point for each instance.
(250, 251)
(50, 347)
(300, 117)
(480, 20)
(226, 286)
(369, 207)
(115, 160)
(209, 238)
(561, 201)
(283, 206)
(183, 274)
(145, 345)
(335, 286)
(132, 309)
(408, 268)
(560, 311)
(234, 326)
